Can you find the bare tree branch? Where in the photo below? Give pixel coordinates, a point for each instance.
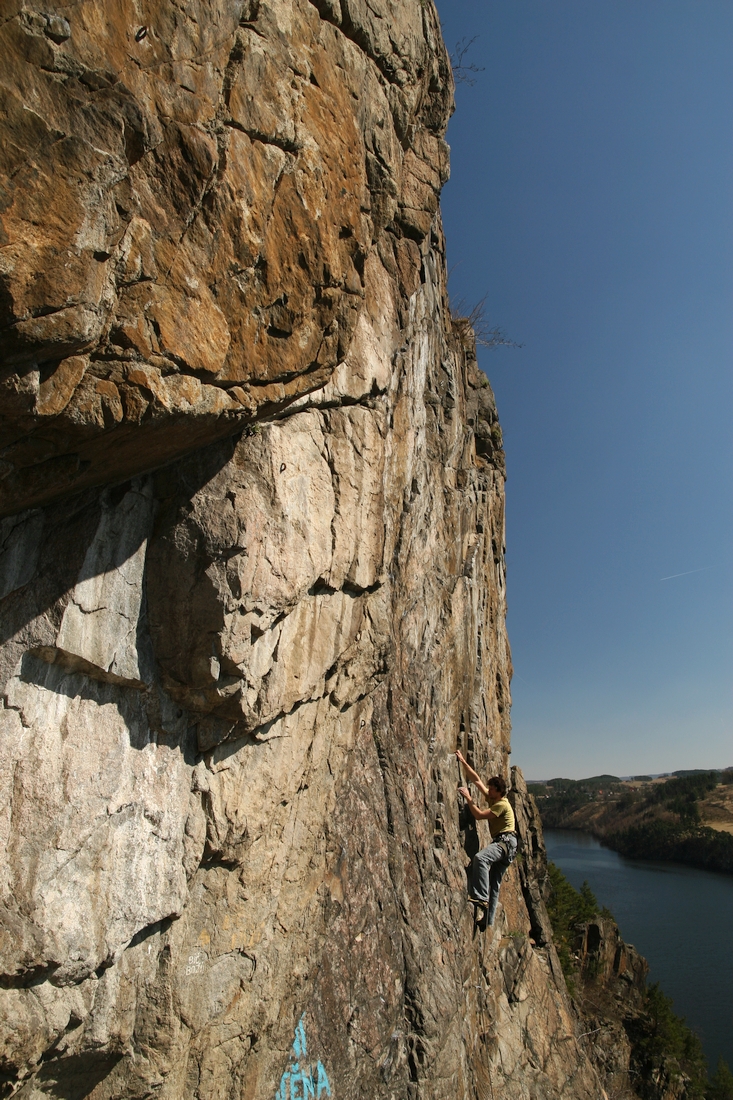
(473, 320)
(461, 70)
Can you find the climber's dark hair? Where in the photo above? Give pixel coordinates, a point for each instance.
(498, 784)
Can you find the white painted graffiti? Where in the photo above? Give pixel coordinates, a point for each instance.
(195, 963)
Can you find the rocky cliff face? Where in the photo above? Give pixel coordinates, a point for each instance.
(252, 563)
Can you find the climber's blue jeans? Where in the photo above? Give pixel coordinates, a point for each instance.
(489, 867)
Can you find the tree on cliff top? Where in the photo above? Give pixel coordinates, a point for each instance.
(567, 908)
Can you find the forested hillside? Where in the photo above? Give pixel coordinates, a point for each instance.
(686, 817)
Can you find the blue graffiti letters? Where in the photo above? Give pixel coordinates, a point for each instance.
(323, 1085)
(297, 1082)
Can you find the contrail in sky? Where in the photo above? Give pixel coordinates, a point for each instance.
(686, 573)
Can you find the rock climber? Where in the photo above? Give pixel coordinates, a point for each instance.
(491, 863)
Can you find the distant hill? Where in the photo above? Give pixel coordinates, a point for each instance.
(693, 771)
(686, 816)
(629, 778)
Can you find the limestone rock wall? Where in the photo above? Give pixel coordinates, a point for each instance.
(252, 568)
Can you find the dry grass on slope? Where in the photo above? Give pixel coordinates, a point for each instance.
(716, 808)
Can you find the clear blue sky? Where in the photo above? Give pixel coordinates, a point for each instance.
(591, 200)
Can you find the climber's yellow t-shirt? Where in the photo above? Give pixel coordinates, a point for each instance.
(504, 820)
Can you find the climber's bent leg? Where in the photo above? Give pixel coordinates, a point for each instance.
(483, 862)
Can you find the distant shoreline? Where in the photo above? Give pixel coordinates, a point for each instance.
(684, 818)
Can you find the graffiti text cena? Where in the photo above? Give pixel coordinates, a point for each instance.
(301, 1082)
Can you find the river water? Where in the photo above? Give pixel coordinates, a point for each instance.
(680, 918)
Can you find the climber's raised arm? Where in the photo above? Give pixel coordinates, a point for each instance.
(473, 776)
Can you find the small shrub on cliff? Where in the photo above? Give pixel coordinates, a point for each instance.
(469, 324)
(463, 71)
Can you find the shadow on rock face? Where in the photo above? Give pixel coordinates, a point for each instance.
(100, 828)
(75, 1077)
(72, 581)
(265, 585)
